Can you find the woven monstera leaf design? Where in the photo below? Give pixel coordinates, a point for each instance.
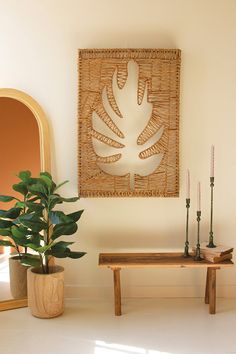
(119, 130)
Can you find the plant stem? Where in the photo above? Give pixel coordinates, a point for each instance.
(41, 261)
(24, 209)
(47, 240)
(18, 250)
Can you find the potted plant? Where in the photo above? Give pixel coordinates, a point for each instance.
(42, 226)
(9, 229)
(33, 225)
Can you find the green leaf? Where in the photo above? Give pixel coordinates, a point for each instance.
(21, 188)
(70, 200)
(43, 249)
(60, 185)
(47, 174)
(5, 224)
(39, 249)
(32, 181)
(27, 216)
(35, 239)
(30, 216)
(54, 199)
(6, 198)
(20, 205)
(55, 254)
(19, 232)
(61, 246)
(75, 254)
(6, 243)
(35, 226)
(35, 207)
(24, 175)
(5, 232)
(58, 217)
(19, 235)
(48, 181)
(64, 229)
(30, 259)
(57, 199)
(76, 215)
(33, 199)
(32, 246)
(38, 189)
(66, 253)
(12, 213)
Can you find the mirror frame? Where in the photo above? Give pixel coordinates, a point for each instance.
(45, 158)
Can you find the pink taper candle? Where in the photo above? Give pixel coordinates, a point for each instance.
(212, 160)
(188, 185)
(199, 196)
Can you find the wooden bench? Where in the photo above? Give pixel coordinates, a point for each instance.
(118, 261)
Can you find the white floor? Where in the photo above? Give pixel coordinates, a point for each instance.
(147, 326)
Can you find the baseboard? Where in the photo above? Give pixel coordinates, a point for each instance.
(226, 291)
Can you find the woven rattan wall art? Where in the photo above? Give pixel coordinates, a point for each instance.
(129, 122)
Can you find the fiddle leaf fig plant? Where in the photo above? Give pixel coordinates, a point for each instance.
(38, 226)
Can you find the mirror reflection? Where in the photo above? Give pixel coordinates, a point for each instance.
(20, 150)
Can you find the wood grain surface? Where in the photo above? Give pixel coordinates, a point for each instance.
(162, 260)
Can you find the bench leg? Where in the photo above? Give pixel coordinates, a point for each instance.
(117, 291)
(207, 288)
(212, 291)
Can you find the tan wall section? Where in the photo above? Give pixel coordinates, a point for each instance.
(19, 144)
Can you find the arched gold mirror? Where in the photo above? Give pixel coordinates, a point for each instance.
(24, 145)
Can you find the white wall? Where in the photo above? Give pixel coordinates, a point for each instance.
(39, 42)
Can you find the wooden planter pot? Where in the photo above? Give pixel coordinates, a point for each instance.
(46, 292)
(18, 278)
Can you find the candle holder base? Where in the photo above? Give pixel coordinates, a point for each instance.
(186, 250)
(211, 242)
(198, 258)
(198, 255)
(211, 245)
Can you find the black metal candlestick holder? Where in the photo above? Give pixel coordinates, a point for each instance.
(211, 238)
(186, 248)
(198, 252)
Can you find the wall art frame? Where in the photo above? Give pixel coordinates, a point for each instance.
(159, 75)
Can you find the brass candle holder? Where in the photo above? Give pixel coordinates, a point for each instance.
(186, 248)
(211, 238)
(198, 251)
